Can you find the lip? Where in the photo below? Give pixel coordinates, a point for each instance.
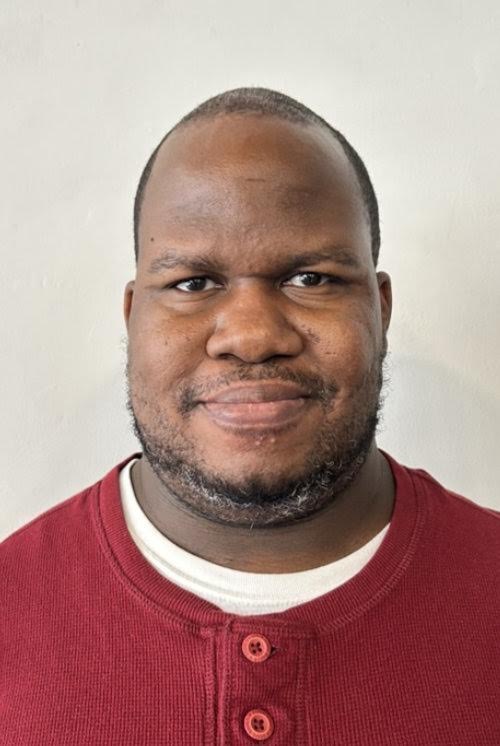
(267, 406)
(258, 391)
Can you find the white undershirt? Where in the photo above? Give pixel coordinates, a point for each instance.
(234, 591)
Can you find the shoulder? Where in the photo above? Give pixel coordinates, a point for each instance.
(41, 541)
(456, 504)
(56, 558)
(59, 545)
(457, 527)
(41, 568)
(62, 528)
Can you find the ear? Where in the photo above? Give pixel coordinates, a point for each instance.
(385, 295)
(127, 301)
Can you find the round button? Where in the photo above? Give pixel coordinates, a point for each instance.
(258, 725)
(256, 648)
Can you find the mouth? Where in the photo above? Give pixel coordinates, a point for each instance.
(259, 405)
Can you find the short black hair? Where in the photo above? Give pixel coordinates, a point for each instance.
(266, 102)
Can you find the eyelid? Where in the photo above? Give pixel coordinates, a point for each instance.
(174, 285)
(328, 275)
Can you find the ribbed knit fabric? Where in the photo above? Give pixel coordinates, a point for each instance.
(97, 648)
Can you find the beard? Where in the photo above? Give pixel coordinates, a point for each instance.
(335, 457)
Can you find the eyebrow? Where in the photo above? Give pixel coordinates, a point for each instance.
(172, 259)
(338, 254)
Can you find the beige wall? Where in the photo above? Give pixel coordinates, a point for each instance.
(88, 88)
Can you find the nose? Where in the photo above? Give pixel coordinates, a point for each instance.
(251, 325)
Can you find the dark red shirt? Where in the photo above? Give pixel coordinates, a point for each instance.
(97, 648)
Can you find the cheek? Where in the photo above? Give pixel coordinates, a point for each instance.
(346, 352)
(161, 352)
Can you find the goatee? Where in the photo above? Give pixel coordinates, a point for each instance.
(336, 456)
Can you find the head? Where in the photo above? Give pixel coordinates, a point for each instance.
(257, 320)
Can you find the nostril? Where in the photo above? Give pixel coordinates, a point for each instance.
(254, 341)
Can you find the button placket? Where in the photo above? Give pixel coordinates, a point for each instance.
(264, 685)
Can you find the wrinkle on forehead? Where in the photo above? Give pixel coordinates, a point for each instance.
(188, 194)
(289, 195)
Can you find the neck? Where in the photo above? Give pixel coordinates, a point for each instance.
(354, 517)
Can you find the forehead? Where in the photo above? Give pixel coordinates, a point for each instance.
(245, 177)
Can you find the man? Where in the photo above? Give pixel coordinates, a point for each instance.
(263, 572)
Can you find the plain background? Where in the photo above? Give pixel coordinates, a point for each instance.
(90, 86)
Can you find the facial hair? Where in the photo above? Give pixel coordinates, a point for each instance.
(336, 456)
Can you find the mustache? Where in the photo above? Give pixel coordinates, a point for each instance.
(316, 386)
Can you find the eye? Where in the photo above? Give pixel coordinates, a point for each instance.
(311, 280)
(195, 285)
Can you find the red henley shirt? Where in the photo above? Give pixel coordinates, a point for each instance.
(97, 648)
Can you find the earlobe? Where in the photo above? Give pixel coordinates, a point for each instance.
(385, 294)
(127, 301)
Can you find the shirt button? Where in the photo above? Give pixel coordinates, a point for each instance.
(258, 725)
(256, 648)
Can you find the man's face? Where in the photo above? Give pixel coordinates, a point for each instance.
(256, 321)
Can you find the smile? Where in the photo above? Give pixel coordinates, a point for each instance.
(257, 405)
(250, 415)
